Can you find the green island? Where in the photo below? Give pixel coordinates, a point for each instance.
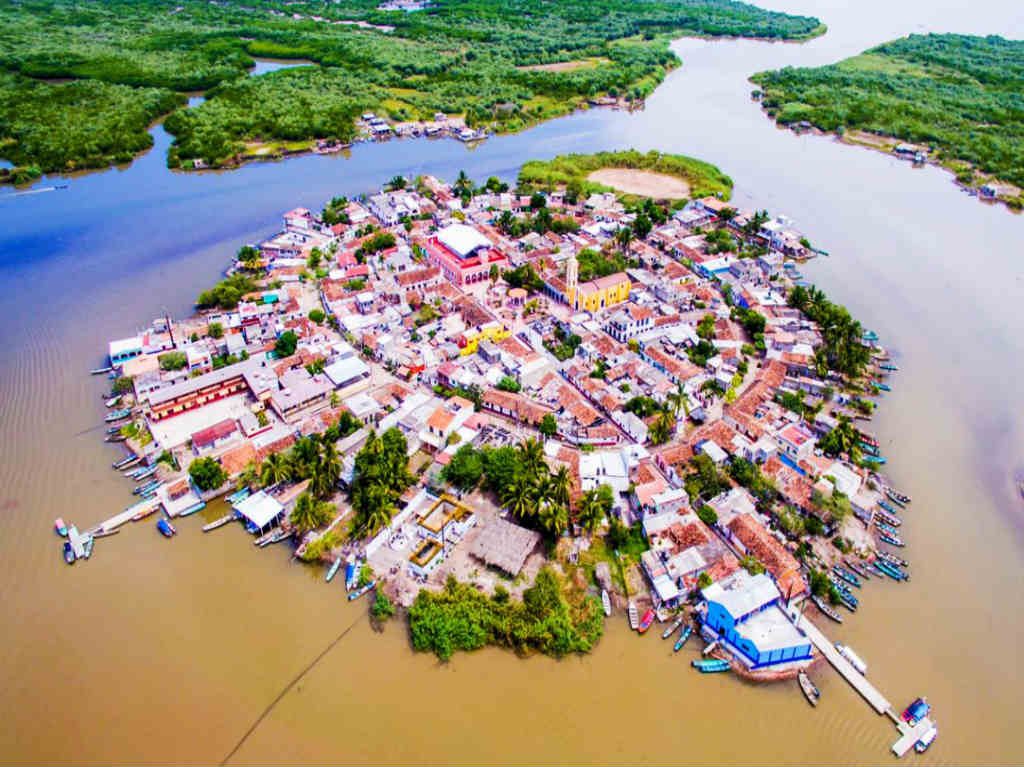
(647, 175)
(81, 82)
(960, 98)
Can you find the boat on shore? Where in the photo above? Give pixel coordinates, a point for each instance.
(899, 498)
(877, 459)
(811, 692)
(117, 415)
(165, 527)
(219, 522)
(886, 528)
(100, 371)
(892, 571)
(646, 621)
(683, 636)
(853, 658)
(333, 569)
(827, 610)
(351, 573)
(855, 568)
(888, 507)
(889, 519)
(124, 463)
(672, 629)
(69, 553)
(60, 528)
(882, 386)
(606, 603)
(892, 559)
(361, 590)
(927, 739)
(710, 665)
(846, 575)
(634, 616)
(889, 366)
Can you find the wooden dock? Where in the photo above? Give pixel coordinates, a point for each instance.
(846, 670)
(140, 509)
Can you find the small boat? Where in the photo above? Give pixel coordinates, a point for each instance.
(892, 571)
(114, 429)
(634, 616)
(874, 459)
(889, 366)
(125, 462)
(333, 569)
(219, 522)
(710, 665)
(889, 519)
(351, 573)
(892, 540)
(892, 559)
(69, 553)
(117, 415)
(846, 575)
(88, 546)
(100, 371)
(927, 739)
(147, 488)
(112, 402)
(606, 602)
(899, 498)
(811, 692)
(916, 711)
(361, 590)
(106, 533)
(238, 495)
(886, 528)
(143, 473)
(888, 507)
(646, 621)
(165, 527)
(672, 629)
(869, 335)
(115, 438)
(826, 610)
(868, 448)
(854, 659)
(854, 567)
(882, 386)
(687, 630)
(60, 528)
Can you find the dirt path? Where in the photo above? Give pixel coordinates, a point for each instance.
(642, 182)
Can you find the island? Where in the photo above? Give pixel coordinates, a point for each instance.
(510, 413)
(954, 100)
(82, 82)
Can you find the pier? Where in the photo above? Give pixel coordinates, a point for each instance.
(909, 734)
(141, 509)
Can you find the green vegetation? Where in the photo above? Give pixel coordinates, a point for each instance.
(381, 476)
(309, 513)
(383, 608)
(963, 96)
(286, 344)
(595, 263)
(227, 293)
(207, 474)
(133, 61)
(842, 349)
(465, 469)
(173, 361)
(509, 384)
(550, 619)
(571, 171)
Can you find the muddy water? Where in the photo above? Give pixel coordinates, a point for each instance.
(158, 651)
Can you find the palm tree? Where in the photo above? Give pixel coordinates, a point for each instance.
(590, 510)
(309, 514)
(303, 457)
(519, 498)
(677, 399)
(623, 237)
(248, 476)
(663, 429)
(326, 470)
(553, 517)
(275, 468)
(531, 453)
(559, 486)
(379, 508)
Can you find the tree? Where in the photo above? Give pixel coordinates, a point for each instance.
(538, 201)
(623, 237)
(704, 580)
(215, 330)
(326, 470)
(531, 454)
(309, 513)
(276, 468)
(207, 474)
(518, 497)
(317, 315)
(383, 608)
(465, 468)
(594, 505)
(508, 383)
(250, 259)
(553, 517)
(173, 361)
(286, 344)
(548, 426)
(247, 477)
(559, 486)
(663, 428)
(642, 226)
(842, 439)
(707, 515)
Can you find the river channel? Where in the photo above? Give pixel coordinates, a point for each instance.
(158, 651)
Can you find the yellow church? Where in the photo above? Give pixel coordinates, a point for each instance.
(596, 294)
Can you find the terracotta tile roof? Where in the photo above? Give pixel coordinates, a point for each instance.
(234, 460)
(773, 555)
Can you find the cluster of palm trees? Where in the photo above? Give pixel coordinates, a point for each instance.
(542, 498)
(842, 348)
(381, 476)
(313, 458)
(843, 438)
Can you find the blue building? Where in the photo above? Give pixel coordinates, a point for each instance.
(744, 610)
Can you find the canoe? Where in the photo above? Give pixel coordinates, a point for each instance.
(100, 371)
(811, 692)
(125, 462)
(846, 575)
(892, 540)
(646, 621)
(888, 507)
(874, 459)
(219, 522)
(88, 546)
(883, 386)
(165, 527)
(892, 571)
(854, 659)
(117, 415)
(69, 553)
(827, 611)
(890, 367)
(927, 739)
(634, 616)
(889, 519)
(606, 602)
(672, 629)
(892, 559)
(333, 569)
(710, 666)
(899, 498)
(687, 630)
(361, 590)
(59, 527)
(112, 402)
(351, 573)
(886, 528)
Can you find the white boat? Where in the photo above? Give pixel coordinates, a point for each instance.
(854, 659)
(606, 602)
(927, 739)
(333, 570)
(634, 617)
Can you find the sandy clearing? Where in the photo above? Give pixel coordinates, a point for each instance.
(642, 182)
(563, 66)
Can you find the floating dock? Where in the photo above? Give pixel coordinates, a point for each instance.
(857, 680)
(141, 509)
(910, 734)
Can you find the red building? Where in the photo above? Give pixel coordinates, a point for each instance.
(464, 254)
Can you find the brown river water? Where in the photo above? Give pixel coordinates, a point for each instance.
(161, 651)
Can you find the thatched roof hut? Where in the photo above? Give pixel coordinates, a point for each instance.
(504, 545)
